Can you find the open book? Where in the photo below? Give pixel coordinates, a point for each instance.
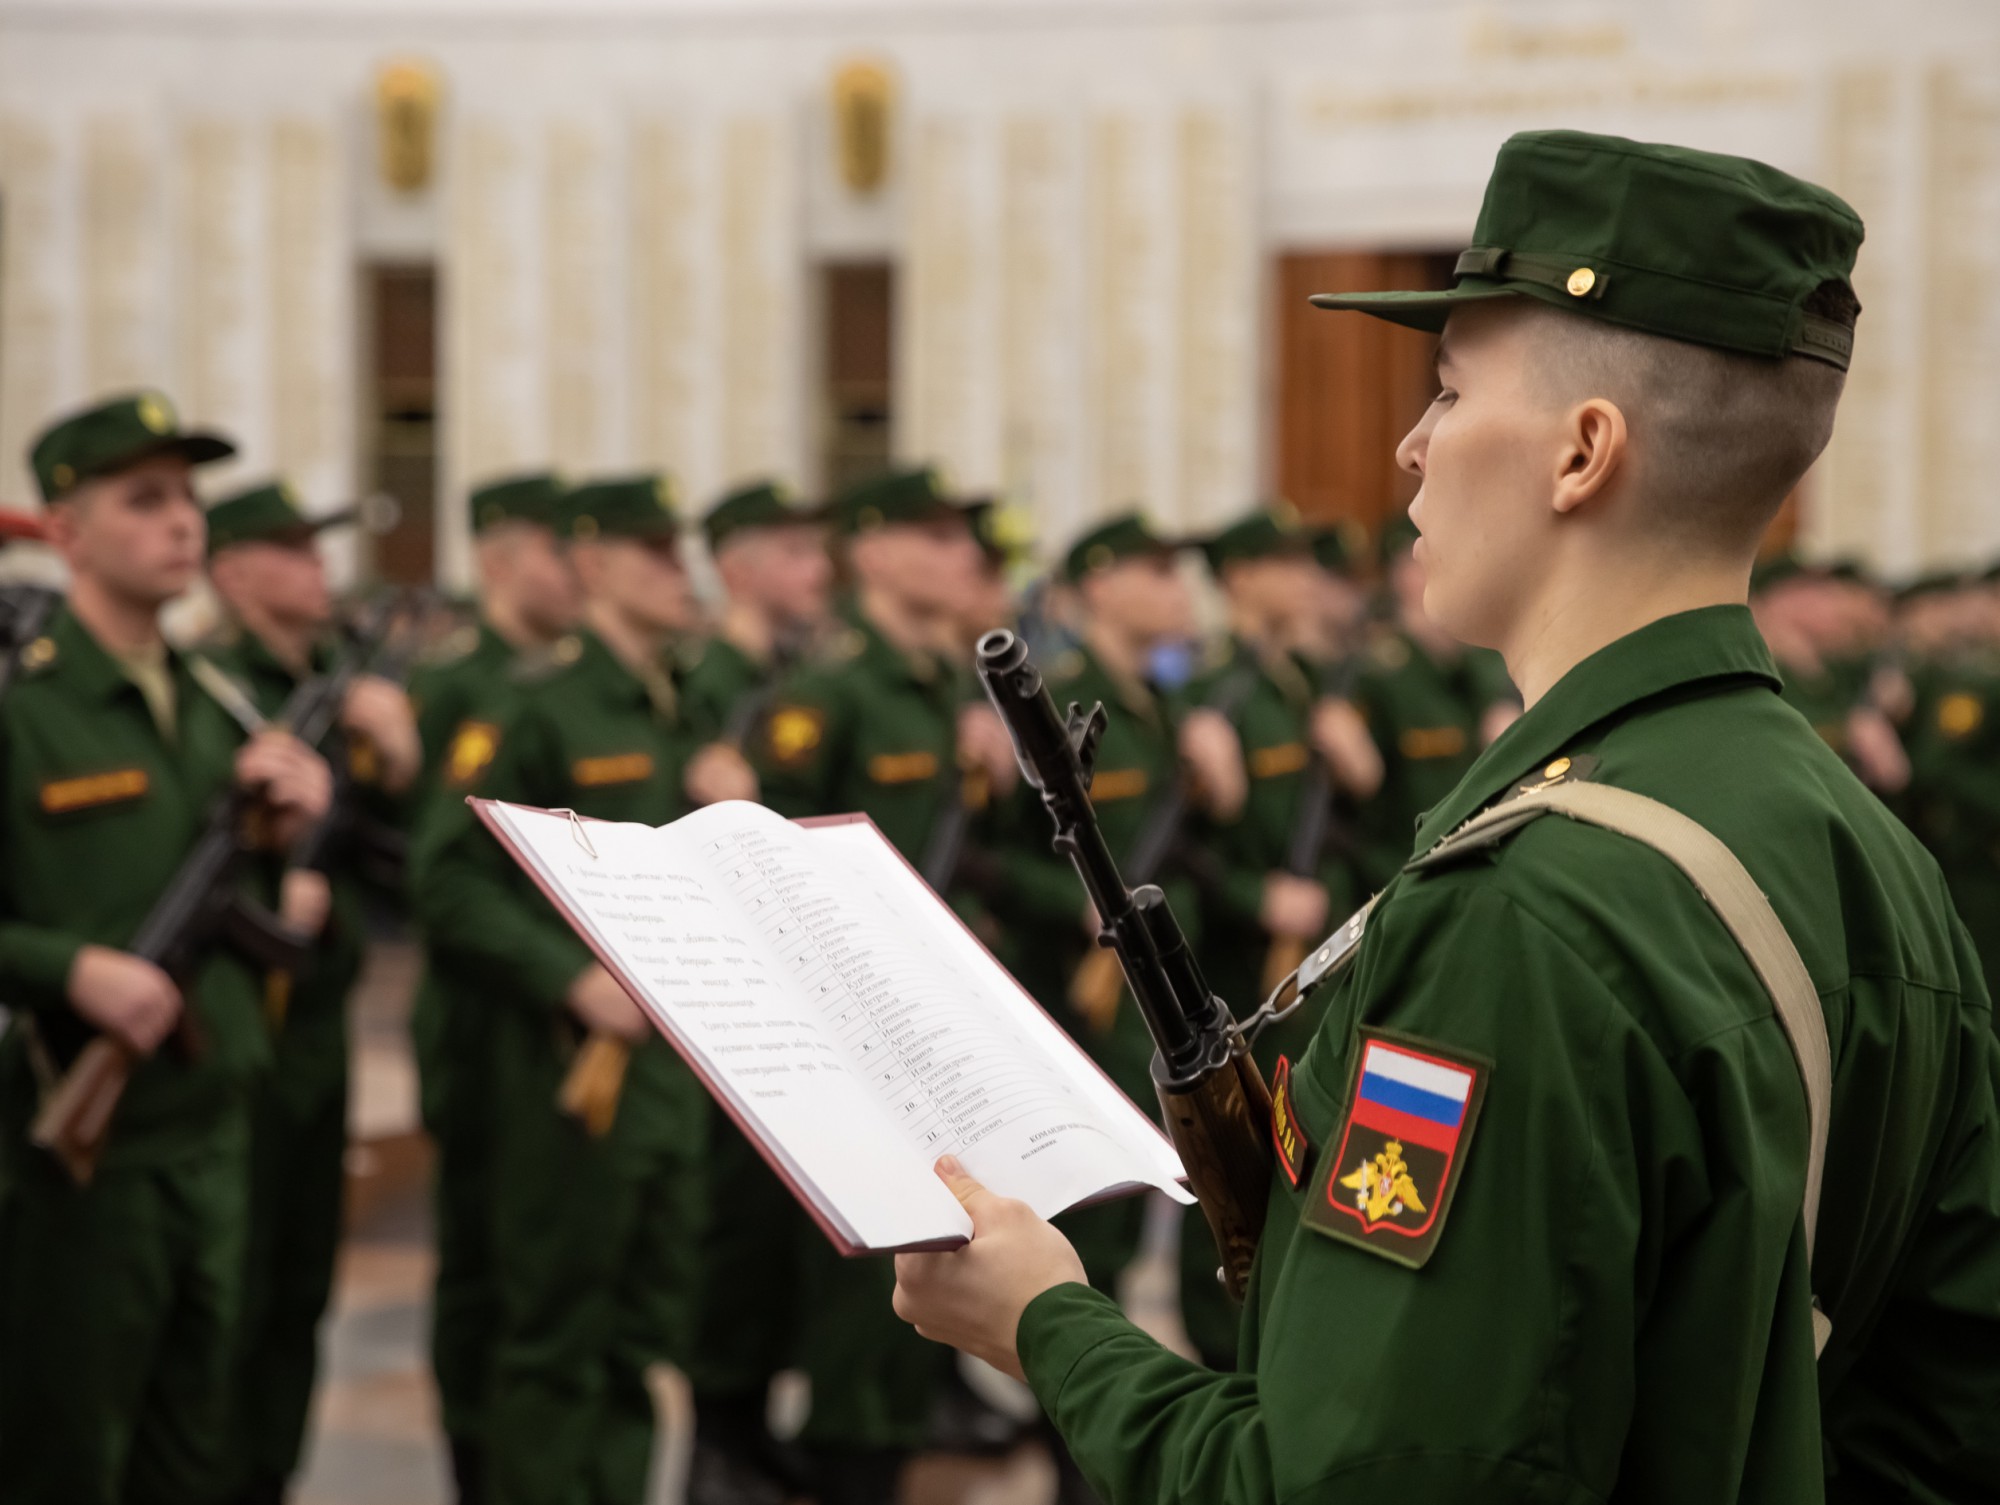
(842, 1015)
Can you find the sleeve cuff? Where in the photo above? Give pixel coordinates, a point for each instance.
(35, 963)
(1058, 1329)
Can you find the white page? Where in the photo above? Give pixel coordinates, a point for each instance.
(836, 1003)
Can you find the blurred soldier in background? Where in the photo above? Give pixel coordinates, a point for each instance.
(527, 600)
(1431, 705)
(120, 1298)
(871, 724)
(771, 557)
(595, 1224)
(266, 570)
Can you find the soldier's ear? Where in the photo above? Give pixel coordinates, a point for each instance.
(1592, 447)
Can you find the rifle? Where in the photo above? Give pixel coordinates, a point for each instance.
(1218, 1110)
(1096, 984)
(201, 904)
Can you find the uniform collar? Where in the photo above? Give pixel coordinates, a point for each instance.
(491, 646)
(1132, 691)
(603, 670)
(85, 664)
(918, 667)
(1710, 645)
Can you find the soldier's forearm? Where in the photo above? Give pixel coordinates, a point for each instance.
(1147, 1426)
(35, 962)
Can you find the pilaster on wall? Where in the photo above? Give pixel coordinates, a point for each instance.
(1080, 310)
(622, 293)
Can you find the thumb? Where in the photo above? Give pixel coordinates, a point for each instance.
(972, 1196)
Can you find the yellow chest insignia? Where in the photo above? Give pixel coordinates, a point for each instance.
(471, 752)
(1959, 714)
(1420, 742)
(1275, 762)
(902, 768)
(60, 796)
(1109, 784)
(614, 768)
(793, 732)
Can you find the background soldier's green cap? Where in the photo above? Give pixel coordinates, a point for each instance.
(1127, 536)
(269, 513)
(1934, 583)
(1850, 570)
(1709, 249)
(761, 504)
(897, 496)
(1775, 570)
(640, 506)
(533, 498)
(113, 435)
(1273, 529)
(1340, 547)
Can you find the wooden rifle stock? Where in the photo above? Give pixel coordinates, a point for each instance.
(74, 1120)
(596, 1078)
(1222, 1128)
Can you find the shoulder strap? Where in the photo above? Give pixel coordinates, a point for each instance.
(1734, 896)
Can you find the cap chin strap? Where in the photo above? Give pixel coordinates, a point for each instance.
(1820, 338)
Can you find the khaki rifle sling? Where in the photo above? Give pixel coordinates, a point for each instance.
(1734, 896)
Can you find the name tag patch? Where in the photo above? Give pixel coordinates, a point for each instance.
(1275, 762)
(60, 796)
(902, 768)
(1117, 784)
(616, 768)
(1432, 742)
(1285, 1131)
(1411, 1110)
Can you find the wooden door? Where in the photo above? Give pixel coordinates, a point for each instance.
(1348, 387)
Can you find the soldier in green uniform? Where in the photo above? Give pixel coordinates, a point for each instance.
(771, 557)
(1596, 1277)
(266, 571)
(593, 1237)
(870, 725)
(527, 601)
(1259, 899)
(1431, 704)
(119, 1299)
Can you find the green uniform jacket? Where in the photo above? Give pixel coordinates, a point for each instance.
(585, 736)
(1425, 715)
(1617, 1307)
(311, 1051)
(1953, 800)
(97, 809)
(717, 687)
(463, 683)
(863, 728)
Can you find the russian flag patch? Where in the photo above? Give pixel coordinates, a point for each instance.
(1411, 1107)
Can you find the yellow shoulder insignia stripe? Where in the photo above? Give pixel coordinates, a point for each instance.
(1431, 742)
(902, 768)
(472, 749)
(614, 768)
(793, 731)
(1275, 762)
(1117, 784)
(60, 796)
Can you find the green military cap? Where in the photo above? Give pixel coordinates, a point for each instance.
(638, 506)
(114, 434)
(269, 513)
(1128, 536)
(1273, 529)
(1709, 249)
(536, 497)
(1774, 570)
(761, 504)
(1339, 548)
(1932, 583)
(1849, 570)
(898, 496)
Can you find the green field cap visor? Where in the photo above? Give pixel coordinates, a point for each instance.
(1692, 246)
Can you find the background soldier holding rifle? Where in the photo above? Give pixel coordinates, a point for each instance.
(595, 1222)
(1567, 1185)
(265, 568)
(119, 1298)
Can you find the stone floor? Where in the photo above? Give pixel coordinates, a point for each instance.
(374, 1437)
